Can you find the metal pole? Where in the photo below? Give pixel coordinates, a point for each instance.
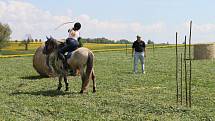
(190, 95)
(126, 49)
(185, 67)
(153, 49)
(176, 53)
(181, 78)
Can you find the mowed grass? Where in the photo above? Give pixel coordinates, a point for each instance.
(121, 95)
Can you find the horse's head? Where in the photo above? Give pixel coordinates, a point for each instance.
(50, 46)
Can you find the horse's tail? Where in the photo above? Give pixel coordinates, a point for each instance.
(89, 73)
(89, 68)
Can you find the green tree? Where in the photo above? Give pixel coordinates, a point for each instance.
(5, 33)
(123, 41)
(27, 41)
(80, 42)
(150, 42)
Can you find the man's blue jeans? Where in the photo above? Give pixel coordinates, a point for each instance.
(137, 56)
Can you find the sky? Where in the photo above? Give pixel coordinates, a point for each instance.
(156, 20)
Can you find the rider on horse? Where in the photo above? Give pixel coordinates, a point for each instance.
(72, 42)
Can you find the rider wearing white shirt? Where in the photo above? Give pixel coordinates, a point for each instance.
(72, 40)
(73, 34)
(71, 43)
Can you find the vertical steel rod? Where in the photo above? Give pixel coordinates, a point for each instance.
(153, 49)
(176, 54)
(185, 68)
(190, 93)
(181, 78)
(126, 51)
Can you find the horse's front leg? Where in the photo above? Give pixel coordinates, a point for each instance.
(66, 83)
(59, 84)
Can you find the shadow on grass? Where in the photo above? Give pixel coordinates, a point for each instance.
(129, 72)
(50, 93)
(126, 72)
(33, 77)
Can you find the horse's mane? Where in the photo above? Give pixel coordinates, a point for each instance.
(59, 44)
(55, 62)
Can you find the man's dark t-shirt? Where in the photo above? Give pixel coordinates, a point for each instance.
(139, 46)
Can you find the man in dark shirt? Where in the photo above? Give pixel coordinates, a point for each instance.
(139, 51)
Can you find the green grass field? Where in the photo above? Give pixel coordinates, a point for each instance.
(121, 95)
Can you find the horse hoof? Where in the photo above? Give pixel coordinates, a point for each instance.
(67, 89)
(94, 89)
(59, 88)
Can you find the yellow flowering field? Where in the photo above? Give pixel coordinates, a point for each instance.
(92, 46)
(21, 46)
(17, 48)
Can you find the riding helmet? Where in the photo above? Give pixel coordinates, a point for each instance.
(77, 26)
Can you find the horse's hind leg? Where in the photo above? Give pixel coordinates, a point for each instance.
(82, 79)
(66, 83)
(94, 82)
(85, 81)
(60, 84)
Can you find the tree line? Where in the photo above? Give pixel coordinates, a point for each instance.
(104, 41)
(29, 40)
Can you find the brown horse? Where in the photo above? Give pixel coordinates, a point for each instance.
(81, 59)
